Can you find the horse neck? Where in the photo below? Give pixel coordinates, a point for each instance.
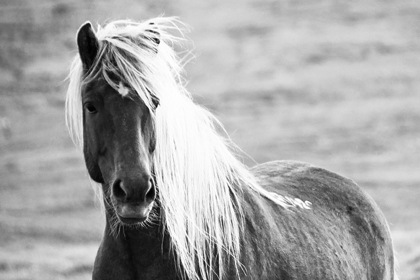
(141, 252)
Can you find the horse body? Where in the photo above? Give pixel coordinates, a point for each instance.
(179, 204)
(343, 236)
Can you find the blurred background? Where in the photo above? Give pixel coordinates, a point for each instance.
(332, 82)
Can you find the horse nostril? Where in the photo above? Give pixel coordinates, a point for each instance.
(118, 190)
(151, 192)
(125, 191)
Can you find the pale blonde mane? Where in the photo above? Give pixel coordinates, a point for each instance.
(198, 178)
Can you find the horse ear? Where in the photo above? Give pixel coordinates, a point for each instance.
(88, 45)
(154, 35)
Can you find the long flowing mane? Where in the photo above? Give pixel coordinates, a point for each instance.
(199, 179)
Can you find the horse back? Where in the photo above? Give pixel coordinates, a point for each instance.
(343, 235)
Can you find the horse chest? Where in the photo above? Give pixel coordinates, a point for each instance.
(126, 258)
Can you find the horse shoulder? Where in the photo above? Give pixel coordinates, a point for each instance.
(325, 190)
(343, 233)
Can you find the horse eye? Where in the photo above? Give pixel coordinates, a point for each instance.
(90, 108)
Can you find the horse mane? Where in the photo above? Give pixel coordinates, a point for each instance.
(198, 177)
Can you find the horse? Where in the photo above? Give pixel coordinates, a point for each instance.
(178, 202)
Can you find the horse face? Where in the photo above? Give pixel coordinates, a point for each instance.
(118, 144)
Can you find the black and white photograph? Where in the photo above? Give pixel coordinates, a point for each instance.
(210, 140)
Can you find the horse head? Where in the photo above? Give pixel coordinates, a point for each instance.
(118, 142)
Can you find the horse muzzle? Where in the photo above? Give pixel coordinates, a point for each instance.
(133, 198)
(130, 213)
